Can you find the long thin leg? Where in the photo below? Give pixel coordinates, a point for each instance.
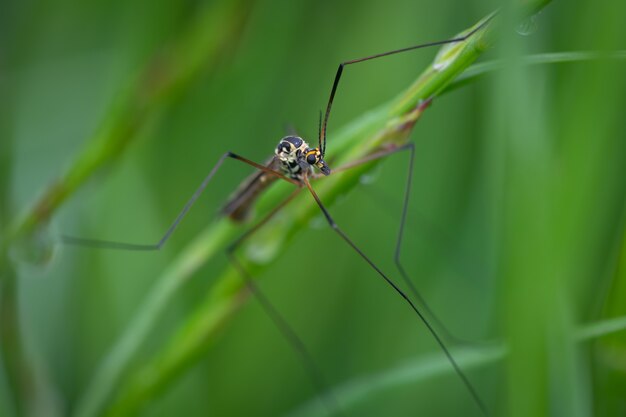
(379, 155)
(416, 294)
(333, 91)
(405, 277)
(402, 294)
(107, 244)
(431, 232)
(277, 318)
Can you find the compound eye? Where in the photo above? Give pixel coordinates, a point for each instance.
(311, 159)
(283, 147)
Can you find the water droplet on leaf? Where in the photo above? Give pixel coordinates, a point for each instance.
(528, 26)
(36, 249)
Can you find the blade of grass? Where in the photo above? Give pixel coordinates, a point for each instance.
(481, 69)
(16, 373)
(592, 191)
(559, 197)
(169, 72)
(388, 124)
(524, 203)
(427, 367)
(165, 76)
(108, 374)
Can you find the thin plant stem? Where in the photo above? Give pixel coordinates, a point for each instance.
(388, 124)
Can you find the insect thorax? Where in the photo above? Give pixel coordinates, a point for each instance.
(290, 153)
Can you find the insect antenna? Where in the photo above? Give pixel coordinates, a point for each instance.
(319, 132)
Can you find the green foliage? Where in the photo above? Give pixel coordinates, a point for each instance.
(515, 230)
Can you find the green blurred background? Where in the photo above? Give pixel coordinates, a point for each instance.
(515, 231)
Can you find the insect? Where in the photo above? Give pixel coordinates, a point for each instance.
(296, 161)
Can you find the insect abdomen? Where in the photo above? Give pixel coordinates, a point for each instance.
(239, 205)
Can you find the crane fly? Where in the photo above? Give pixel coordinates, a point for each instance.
(297, 162)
